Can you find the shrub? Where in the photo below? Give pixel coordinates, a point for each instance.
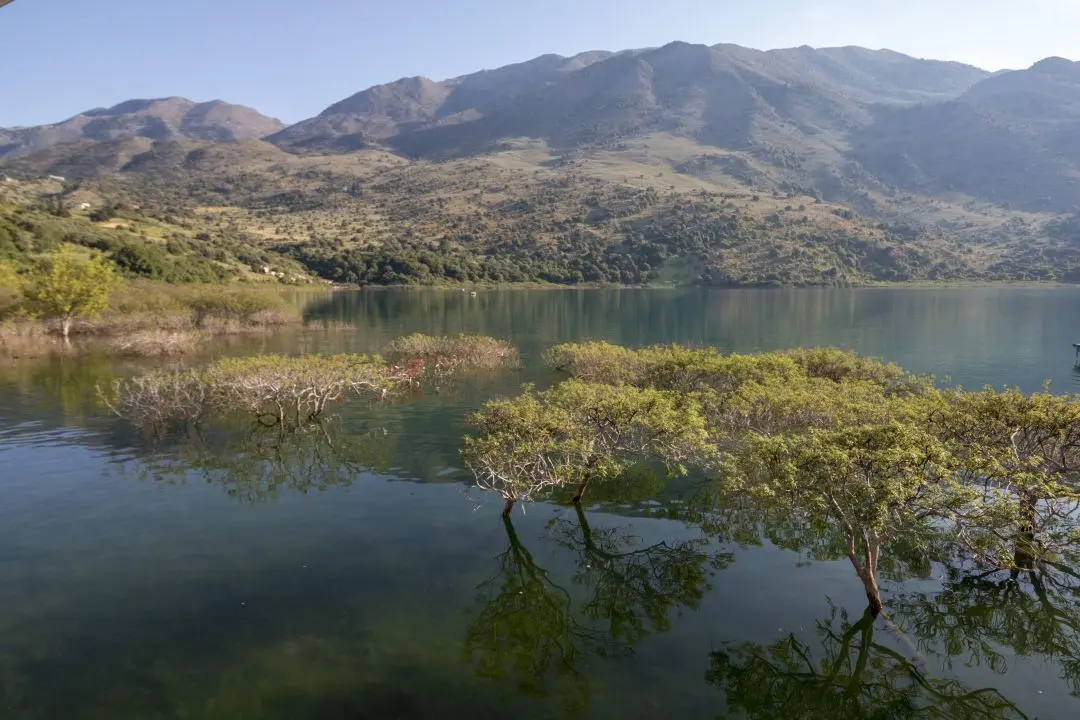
(156, 343)
(576, 433)
(450, 353)
(68, 286)
(285, 391)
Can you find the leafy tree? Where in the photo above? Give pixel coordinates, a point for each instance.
(68, 286)
(1022, 452)
(868, 486)
(577, 433)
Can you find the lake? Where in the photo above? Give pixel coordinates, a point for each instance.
(353, 572)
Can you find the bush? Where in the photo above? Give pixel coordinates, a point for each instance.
(449, 353)
(156, 343)
(285, 391)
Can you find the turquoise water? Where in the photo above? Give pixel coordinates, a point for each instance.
(354, 573)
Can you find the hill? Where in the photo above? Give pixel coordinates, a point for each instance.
(1012, 138)
(683, 163)
(162, 119)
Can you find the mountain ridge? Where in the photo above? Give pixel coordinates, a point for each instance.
(722, 163)
(164, 118)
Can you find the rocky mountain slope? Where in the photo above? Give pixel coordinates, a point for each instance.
(161, 119)
(681, 163)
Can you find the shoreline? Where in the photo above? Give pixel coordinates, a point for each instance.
(913, 285)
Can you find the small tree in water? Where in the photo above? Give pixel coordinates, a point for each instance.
(867, 485)
(1022, 454)
(68, 286)
(577, 433)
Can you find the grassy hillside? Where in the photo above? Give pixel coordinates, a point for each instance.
(658, 209)
(35, 223)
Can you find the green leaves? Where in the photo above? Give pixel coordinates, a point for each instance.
(579, 432)
(870, 456)
(69, 286)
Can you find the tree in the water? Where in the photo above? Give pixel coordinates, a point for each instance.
(579, 433)
(849, 674)
(1022, 452)
(68, 286)
(868, 486)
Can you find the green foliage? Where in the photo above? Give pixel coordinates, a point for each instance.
(130, 243)
(69, 286)
(576, 433)
(870, 485)
(1023, 453)
(856, 457)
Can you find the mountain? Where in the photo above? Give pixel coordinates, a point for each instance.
(1013, 138)
(725, 95)
(385, 111)
(161, 119)
(685, 162)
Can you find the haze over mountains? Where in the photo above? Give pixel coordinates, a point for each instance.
(916, 142)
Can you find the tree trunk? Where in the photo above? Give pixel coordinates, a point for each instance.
(1025, 550)
(508, 507)
(873, 594)
(581, 491)
(586, 531)
(868, 574)
(65, 326)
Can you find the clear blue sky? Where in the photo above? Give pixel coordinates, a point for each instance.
(292, 59)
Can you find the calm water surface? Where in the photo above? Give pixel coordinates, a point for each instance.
(351, 572)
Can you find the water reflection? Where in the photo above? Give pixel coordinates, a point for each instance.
(256, 463)
(122, 601)
(988, 618)
(848, 673)
(544, 636)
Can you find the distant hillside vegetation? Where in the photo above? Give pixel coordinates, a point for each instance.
(683, 163)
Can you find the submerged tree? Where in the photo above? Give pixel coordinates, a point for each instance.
(287, 391)
(868, 485)
(1022, 452)
(443, 355)
(577, 433)
(850, 675)
(277, 390)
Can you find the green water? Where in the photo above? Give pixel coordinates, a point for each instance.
(351, 571)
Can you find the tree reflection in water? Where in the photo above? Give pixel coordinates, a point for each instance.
(847, 677)
(255, 463)
(974, 617)
(533, 630)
